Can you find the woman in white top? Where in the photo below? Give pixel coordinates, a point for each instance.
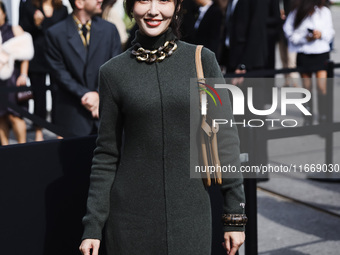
(309, 30)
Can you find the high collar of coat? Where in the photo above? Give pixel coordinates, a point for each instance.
(152, 43)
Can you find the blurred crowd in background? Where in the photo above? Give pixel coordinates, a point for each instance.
(243, 34)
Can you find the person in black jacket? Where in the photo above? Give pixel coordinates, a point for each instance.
(244, 48)
(274, 23)
(190, 14)
(36, 16)
(244, 43)
(76, 48)
(208, 25)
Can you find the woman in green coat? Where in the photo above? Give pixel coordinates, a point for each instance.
(141, 193)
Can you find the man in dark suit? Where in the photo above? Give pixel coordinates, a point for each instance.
(76, 48)
(208, 25)
(274, 24)
(245, 49)
(244, 42)
(190, 14)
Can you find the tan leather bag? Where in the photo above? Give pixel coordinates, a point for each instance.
(209, 147)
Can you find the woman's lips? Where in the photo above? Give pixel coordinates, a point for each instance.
(153, 23)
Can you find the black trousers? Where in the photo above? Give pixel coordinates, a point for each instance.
(38, 84)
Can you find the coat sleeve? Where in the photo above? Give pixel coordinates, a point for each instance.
(228, 143)
(55, 58)
(327, 32)
(295, 36)
(105, 161)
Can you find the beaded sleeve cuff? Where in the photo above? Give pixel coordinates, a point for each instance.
(234, 219)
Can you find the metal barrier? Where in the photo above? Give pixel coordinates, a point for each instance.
(249, 138)
(35, 119)
(272, 134)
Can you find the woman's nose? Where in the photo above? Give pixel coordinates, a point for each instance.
(153, 11)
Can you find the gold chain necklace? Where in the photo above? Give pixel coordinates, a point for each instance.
(157, 55)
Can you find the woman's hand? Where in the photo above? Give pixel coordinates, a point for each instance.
(316, 34)
(283, 14)
(89, 244)
(38, 18)
(233, 241)
(91, 102)
(21, 81)
(238, 81)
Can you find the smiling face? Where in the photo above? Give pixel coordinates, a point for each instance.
(153, 16)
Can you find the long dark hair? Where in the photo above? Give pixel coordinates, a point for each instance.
(55, 3)
(306, 8)
(108, 3)
(3, 8)
(176, 19)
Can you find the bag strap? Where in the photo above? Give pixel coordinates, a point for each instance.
(201, 83)
(198, 61)
(208, 144)
(200, 79)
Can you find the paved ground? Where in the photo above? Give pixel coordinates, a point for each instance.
(297, 215)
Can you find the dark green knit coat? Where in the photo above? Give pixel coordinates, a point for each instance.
(143, 194)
